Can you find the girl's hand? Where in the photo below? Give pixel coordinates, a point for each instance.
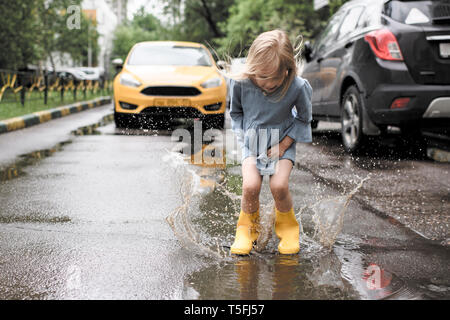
(272, 152)
(282, 147)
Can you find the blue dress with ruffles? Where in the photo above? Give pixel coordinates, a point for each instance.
(261, 121)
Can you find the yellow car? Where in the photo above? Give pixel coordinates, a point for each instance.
(164, 80)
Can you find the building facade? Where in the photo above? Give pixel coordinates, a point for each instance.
(108, 15)
(120, 9)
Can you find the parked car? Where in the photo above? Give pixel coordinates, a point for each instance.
(162, 80)
(71, 74)
(382, 63)
(91, 73)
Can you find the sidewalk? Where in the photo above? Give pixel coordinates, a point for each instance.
(47, 115)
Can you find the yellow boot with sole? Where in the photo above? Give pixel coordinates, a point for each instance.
(246, 232)
(288, 230)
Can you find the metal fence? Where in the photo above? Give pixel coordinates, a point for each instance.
(22, 86)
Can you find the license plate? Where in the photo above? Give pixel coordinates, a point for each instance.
(172, 102)
(444, 50)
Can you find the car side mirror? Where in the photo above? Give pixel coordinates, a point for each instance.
(118, 63)
(307, 52)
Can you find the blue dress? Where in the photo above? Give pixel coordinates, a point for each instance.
(261, 121)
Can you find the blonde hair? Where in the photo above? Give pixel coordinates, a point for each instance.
(270, 56)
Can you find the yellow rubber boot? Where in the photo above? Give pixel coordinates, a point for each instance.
(288, 230)
(246, 232)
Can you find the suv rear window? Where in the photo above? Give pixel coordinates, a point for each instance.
(371, 16)
(419, 12)
(350, 22)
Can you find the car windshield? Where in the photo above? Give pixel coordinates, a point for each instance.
(158, 55)
(418, 12)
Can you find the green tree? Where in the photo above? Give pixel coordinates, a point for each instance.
(196, 20)
(18, 33)
(76, 41)
(143, 27)
(34, 30)
(229, 26)
(56, 36)
(248, 18)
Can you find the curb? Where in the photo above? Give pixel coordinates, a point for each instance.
(39, 117)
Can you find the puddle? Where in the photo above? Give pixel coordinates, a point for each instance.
(329, 266)
(221, 206)
(266, 277)
(33, 218)
(17, 169)
(92, 129)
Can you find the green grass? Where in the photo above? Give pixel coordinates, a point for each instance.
(9, 108)
(233, 183)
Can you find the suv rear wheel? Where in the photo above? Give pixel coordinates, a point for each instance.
(351, 120)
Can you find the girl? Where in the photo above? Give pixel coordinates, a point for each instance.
(262, 100)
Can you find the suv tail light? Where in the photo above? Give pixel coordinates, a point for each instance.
(400, 103)
(384, 44)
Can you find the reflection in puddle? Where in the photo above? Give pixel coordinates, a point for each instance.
(92, 129)
(269, 277)
(17, 169)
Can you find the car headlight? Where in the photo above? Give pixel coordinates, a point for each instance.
(127, 79)
(211, 83)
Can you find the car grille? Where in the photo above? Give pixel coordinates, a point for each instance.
(441, 14)
(175, 112)
(171, 91)
(442, 10)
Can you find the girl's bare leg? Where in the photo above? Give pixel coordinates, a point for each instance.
(279, 185)
(251, 185)
(247, 225)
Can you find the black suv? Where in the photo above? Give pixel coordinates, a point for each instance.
(381, 64)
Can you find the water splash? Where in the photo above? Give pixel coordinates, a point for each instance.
(179, 220)
(265, 229)
(328, 217)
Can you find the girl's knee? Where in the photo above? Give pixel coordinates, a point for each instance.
(279, 189)
(251, 189)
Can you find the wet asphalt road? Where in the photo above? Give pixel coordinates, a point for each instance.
(84, 207)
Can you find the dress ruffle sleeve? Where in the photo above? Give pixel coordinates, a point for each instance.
(236, 111)
(300, 130)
